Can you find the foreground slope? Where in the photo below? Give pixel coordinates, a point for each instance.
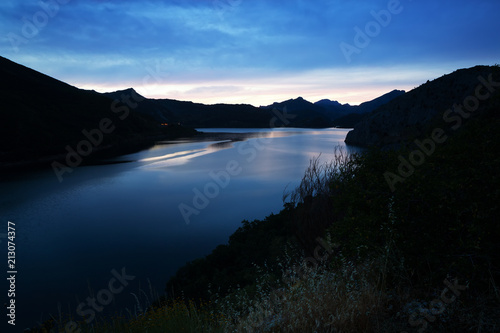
(422, 255)
(436, 229)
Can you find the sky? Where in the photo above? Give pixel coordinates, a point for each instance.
(250, 51)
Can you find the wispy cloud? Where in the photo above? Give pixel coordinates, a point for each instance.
(255, 47)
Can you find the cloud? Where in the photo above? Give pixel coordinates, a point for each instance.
(354, 85)
(198, 47)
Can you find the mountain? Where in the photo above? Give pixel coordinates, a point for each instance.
(430, 106)
(290, 113)
(326, 103)
(337, 110)
(148, 107)
(199, 115)
(377, 102)
(305, 113)
(42, 118)
(334, 109)
(326, 112)
(359, 112)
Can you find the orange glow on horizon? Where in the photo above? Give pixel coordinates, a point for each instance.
(353, 86)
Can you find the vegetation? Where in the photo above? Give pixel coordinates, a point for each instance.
(355, 249)
(385, 258)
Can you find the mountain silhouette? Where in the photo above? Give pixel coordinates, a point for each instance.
(430, 106)
(41, 117)
(331, 112)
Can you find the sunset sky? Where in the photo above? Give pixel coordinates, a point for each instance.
(250, 51)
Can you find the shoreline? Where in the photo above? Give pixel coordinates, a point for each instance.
(100, 154)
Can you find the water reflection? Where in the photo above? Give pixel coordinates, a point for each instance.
(216, 141)
(126, 214)
(220, 145)
(182, 157)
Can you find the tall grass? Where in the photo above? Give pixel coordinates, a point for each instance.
(349, 292)
(318, 177)
(176, 316)
(344, 300)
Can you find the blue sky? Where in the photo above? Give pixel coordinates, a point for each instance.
(250, 51)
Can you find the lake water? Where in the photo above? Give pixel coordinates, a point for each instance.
(143, 217)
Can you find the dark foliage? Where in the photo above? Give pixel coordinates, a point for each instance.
(440, 221)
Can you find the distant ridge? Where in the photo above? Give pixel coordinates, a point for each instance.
(199, 115)
(333, 112)
(302, 113)
(41, 116)
(339, 110)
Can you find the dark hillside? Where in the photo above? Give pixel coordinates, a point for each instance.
(410, 115)
(40, 116)
(438, 223)
(201, 115)
(386, 240)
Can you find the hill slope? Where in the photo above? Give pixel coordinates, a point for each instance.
(411, 115)
(40, 116)
(439, 225)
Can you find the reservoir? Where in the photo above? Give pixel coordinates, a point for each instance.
(118, 231)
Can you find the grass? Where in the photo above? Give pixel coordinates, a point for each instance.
(393, 250)
(341, 295)
(322, 301)
(176, 316)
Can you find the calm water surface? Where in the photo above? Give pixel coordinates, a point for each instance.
(71, 235)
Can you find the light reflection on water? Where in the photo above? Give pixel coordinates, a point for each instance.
(105, 217)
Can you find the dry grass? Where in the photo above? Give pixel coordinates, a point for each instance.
(347, 300)
(319, 176)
